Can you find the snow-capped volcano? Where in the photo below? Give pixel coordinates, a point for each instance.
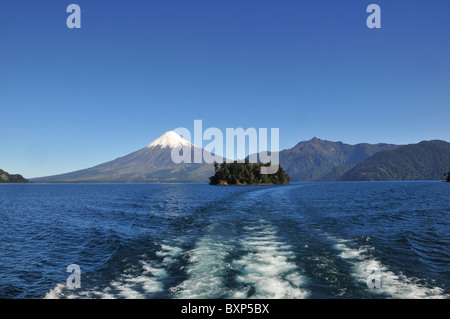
(152, 163)
(169, 139)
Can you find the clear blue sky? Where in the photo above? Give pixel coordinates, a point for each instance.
(71, 99)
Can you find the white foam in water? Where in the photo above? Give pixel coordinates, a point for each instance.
(169, 254)
(128, 285)
(56, 292)
(266, 271)
(205, 271)
(394, 285)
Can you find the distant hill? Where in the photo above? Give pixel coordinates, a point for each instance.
(318, 159)
(151, 164)
(11, 178)
(427, 160)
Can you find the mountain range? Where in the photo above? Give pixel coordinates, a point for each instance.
(317, 159)
(313, 160)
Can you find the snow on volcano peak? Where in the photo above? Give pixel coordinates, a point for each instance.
(169, 139)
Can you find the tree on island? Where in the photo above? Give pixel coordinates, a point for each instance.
(447, 176)
(246, 174)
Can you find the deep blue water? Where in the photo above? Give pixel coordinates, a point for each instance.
(305, 240)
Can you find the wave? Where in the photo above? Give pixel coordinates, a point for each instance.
(206, 269)
(380, 280)
(143, 280)
(267, 269)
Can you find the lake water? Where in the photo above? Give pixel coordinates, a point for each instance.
(304, 240)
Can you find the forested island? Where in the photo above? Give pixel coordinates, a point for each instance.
(447, 176)
(10, 178)
(246, 174)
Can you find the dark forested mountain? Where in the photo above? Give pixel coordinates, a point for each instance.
(318, 159)
(150, 164)
(11, 178)
(427, 160)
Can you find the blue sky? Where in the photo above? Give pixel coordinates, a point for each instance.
(74, 98)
